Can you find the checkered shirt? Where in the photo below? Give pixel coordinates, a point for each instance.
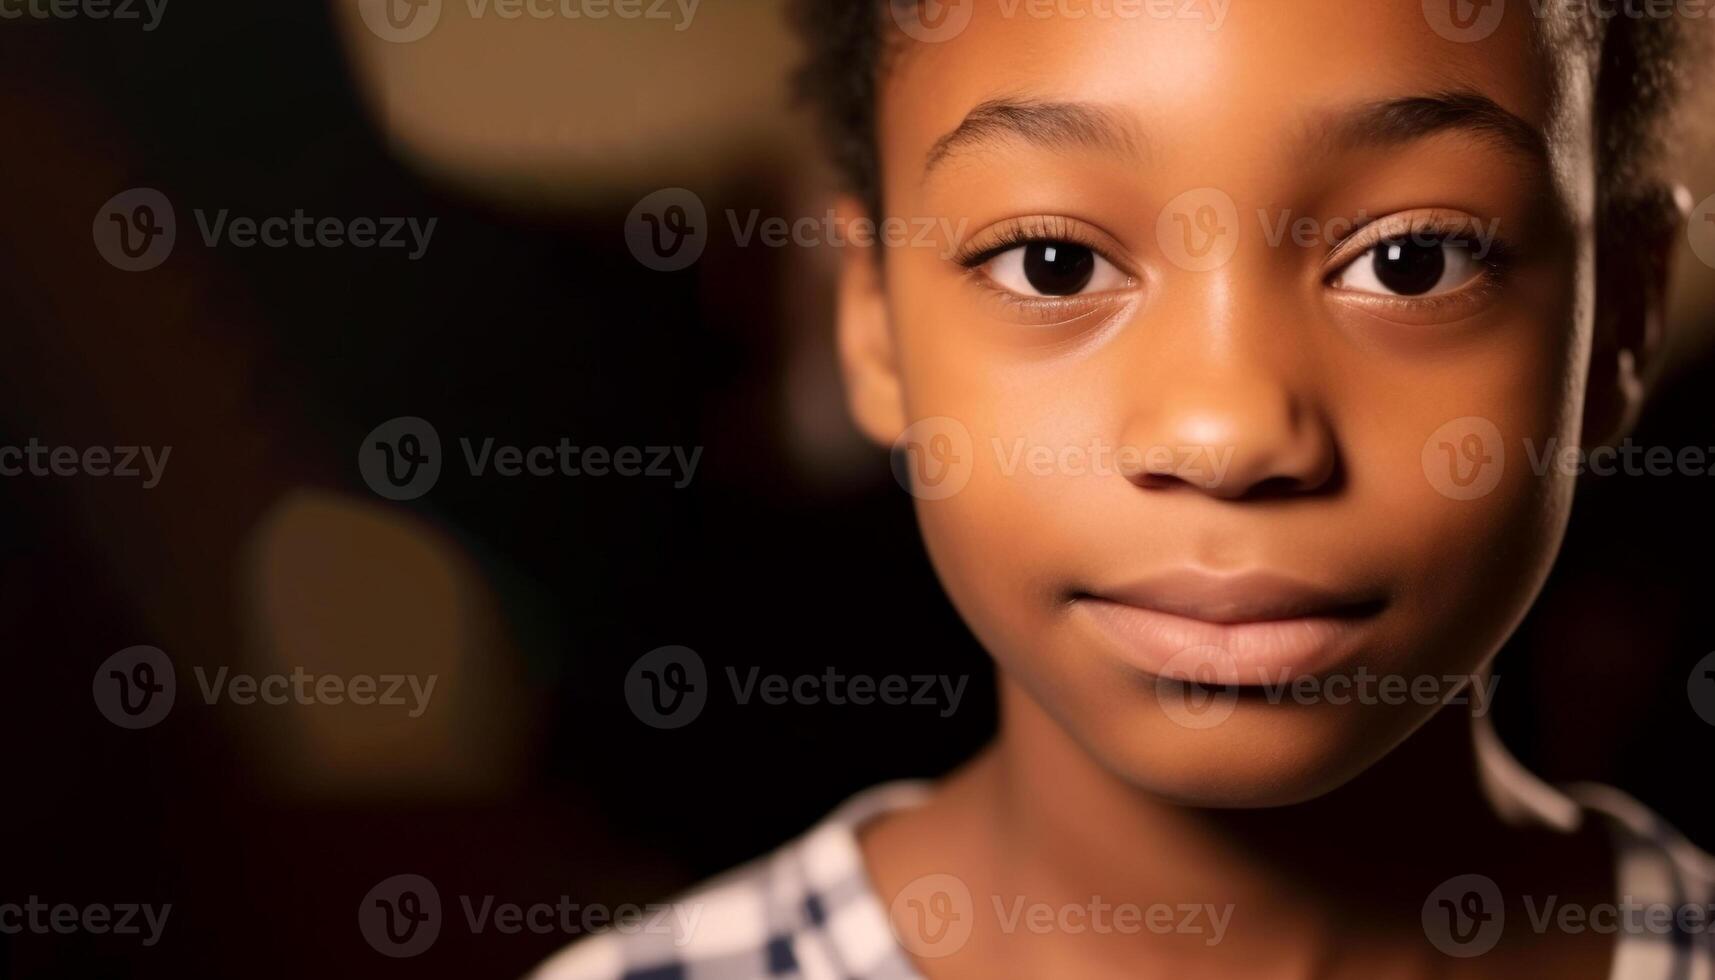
(809, 911)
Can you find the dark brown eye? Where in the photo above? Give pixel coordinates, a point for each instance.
(1053, 268)
(1409, 268)
(1058, 268)
(1411, 265)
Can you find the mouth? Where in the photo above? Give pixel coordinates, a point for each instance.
(1249, 629)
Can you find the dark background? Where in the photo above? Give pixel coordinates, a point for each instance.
(264, 369)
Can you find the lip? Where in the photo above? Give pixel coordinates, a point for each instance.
(1243, 629)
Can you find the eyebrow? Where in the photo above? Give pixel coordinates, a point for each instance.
(1071, 125)
(1395, 121)
(1051, 125)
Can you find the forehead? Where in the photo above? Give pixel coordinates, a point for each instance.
(1215, 80)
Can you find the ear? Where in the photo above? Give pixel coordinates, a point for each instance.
(868, 355)
(1634, 259)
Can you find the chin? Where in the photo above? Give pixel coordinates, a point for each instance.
(1261, 755)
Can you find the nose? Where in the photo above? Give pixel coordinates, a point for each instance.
(1233, 433)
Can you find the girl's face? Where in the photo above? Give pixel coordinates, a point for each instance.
(1240, 366)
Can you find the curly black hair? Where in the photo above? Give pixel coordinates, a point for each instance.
(1639, 63)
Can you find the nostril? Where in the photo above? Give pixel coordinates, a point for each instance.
(1237, 484)
(1161, 481)
(1293, 485)
(1277, 486)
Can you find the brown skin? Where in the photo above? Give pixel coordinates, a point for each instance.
(1314, 820)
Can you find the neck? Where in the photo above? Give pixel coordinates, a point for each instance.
(1382, 841)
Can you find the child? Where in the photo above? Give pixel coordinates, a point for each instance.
(1217, 411)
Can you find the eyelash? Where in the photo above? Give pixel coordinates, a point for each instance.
(1495, 262)
(1498, 257)
(1023, 231)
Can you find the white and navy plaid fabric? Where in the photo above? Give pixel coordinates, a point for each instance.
(808, 910)
(805, 911)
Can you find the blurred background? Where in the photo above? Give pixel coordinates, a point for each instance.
(525, 319)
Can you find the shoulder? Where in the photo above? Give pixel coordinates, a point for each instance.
(807, 909)
(1647, 842)
(1666, 886)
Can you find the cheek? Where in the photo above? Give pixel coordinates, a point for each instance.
(1458, 478)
